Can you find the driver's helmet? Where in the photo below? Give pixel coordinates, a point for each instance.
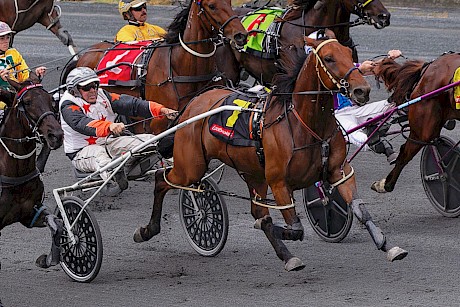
(80, 76)
(125, 5)
(5, 29)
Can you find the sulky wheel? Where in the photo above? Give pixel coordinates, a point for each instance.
(441, 181)
(81, 261)
(330, 220)
(204, 218)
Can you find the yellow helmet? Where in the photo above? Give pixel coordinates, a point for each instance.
(125, 5)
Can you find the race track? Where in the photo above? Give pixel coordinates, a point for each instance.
(167, 272)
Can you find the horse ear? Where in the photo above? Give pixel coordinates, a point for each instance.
(15, 84)
(329, 33)
(7, 97)
(34, 78)
(319, 5)
(311, 42)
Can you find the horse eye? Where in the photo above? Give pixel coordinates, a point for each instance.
(329, 59)
(212, 7)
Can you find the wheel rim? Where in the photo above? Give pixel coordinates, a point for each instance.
(331, 221)
(204, 218)
(82, 260)
(442, 188)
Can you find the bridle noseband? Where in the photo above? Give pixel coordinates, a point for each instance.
(22, 109)
(342, 84)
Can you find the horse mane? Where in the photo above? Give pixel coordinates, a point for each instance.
(299, 6)
(290, 66)
(178, 25)
(400, 79)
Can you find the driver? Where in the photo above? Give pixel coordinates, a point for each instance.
(137, 29)
(12, 64)
(88, 116)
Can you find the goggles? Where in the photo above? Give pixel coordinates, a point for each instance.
(88, 87)
(139, 8)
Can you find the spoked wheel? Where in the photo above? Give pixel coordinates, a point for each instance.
(81, 261)
(204, 218)
(331, 220)
(441, 181)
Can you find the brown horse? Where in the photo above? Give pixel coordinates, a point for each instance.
(27, 120)
(427, 117)
(177, 71)
(300, 139)
(23, 14)
(303, 18)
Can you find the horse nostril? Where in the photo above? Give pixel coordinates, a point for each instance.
(384, 19)
(240, 39)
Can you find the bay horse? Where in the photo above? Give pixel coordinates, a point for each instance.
(28, 119)
(23, 14)
(300, 138)
(413, 79)
(303, 17)
(184, 63)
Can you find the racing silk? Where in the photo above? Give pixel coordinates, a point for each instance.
(19, 73)
(341, 102)
(86, 124)
(143, 32)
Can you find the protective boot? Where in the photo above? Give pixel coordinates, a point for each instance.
(384, 147)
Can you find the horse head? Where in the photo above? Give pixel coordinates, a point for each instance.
(218, 14)
(36, 105)
(372, 11)
(335, 68)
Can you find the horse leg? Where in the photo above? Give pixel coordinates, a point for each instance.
(406, 154)
(349, 193)
(276, 233)
(153, 228)
(56, 227)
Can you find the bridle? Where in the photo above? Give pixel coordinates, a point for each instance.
(209, 20)
(342, 83)
(358, 9)
(34, 125)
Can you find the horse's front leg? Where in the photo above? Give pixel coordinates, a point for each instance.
(153, 228)
(53, 24)
(56, 227)
(349, 193)
(276, 233)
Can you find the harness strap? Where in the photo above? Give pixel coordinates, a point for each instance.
(344, 178)
(15, 181)
(37, 214)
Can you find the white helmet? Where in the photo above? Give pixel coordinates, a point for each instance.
(80, 76)
(5, 29)
(125, 5)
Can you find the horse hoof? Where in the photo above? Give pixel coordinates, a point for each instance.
(396, 253)
(294, 264)
(138, 236)
(379, 186)
(42, 262)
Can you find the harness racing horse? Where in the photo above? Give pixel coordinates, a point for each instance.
(301, 141)
(185, 62)
(23, 14)
(303, 17)
(426, 118)
(28, 119)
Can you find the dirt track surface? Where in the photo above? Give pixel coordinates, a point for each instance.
(166, 271)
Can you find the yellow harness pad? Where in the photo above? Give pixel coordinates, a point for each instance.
(457, 89)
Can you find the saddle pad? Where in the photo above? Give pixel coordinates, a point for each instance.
(457, 89)
(120, 53)
(260, 20)
(232, 127)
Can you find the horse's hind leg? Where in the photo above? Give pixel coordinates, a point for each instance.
(56, 227)
(275, 233)
(348, 191)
